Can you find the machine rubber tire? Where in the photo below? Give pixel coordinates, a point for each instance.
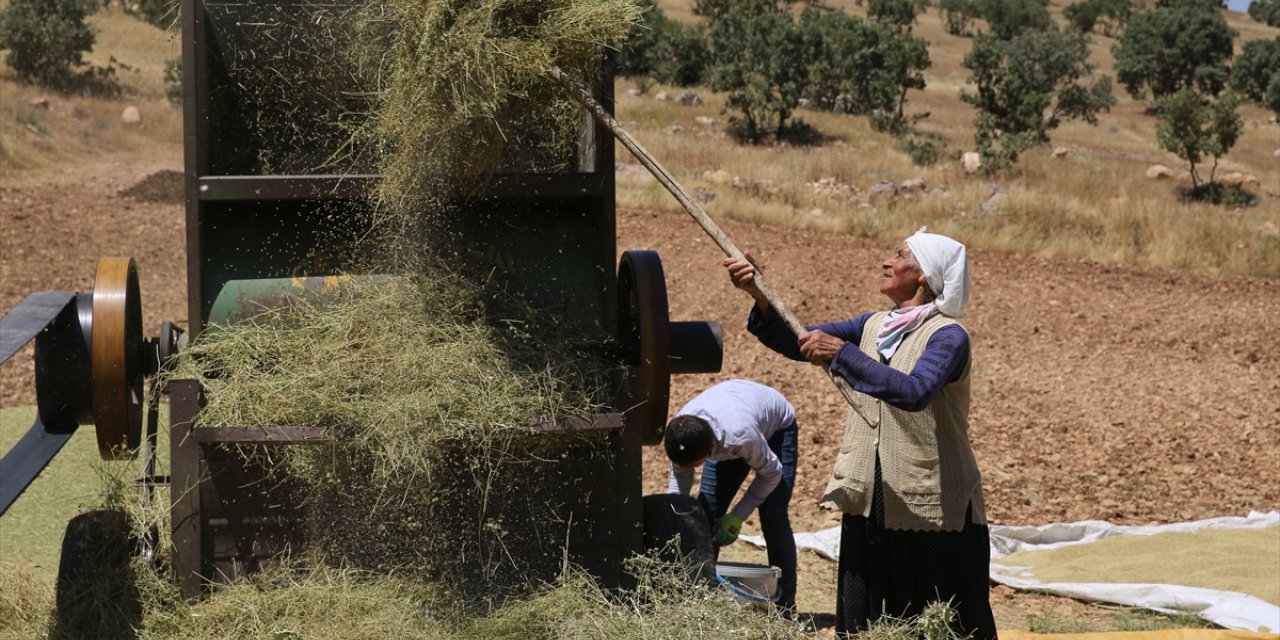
(668, 515)
(96, 593)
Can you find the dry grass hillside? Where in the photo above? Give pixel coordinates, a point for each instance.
(42, 129)
(1093, 204)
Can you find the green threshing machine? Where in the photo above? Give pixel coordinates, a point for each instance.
(262, 222)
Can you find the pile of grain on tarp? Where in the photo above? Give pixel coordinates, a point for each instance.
(1237, 560)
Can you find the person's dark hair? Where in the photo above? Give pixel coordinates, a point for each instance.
(687, 439)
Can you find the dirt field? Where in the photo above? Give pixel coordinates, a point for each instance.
(1099, 392)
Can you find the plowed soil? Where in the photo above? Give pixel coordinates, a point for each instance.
(1101, 392)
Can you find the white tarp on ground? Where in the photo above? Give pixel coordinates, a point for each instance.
(1225, 608)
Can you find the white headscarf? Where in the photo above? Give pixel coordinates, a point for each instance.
(945, 268)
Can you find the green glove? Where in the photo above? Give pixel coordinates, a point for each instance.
(727, 530)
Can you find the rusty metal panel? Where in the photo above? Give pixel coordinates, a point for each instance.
(184, 484)
(251, 515)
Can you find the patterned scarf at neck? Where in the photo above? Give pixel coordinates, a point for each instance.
(897, 325)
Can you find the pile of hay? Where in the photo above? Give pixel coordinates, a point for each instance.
(436, 384)
(467, 93)
(398, 363)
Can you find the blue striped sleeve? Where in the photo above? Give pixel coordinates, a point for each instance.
(775, 334)
(943, 361)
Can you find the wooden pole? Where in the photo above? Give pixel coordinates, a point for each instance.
(693, 208)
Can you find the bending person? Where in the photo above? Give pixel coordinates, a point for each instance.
(734, 427)
(914, 527)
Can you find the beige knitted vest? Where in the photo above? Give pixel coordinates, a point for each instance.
(926, 462)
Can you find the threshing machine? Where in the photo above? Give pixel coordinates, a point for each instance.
(266, 211)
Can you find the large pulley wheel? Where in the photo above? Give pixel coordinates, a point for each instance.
(116, 359)
(644, 332)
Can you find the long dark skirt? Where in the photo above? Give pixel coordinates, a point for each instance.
(897, 573)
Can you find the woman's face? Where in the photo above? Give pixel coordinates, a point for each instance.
(902, 277)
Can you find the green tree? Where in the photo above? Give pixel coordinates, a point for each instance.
(1183, 45)
(861, 67)
(958, 16)
(757, 59)
(1193, 127)
(1201, 4)
(1086, 15)
(681, 56)
(46, 39)
(1256, 70)
(1083, 15)
(1008, 18)
(898, 14)
(1271, 99)
(1027, 86)
(844, 57)
(664, 49)
(1265, 11)
(906, 58)
(635, 55)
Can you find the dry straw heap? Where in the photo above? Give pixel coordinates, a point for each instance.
(467, 93)
(436, 384)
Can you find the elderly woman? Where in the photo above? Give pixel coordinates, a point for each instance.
(914, 528)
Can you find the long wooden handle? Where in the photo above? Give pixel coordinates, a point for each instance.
(690, 205)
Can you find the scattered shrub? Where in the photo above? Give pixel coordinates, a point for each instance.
(1256, 73)
(1085, 15)
(1226, 195)
(1193, 127)
(1009, 18)
(958, 16)
(635, 54)
(681, 55)
(844, 62)
(1182, 45)
(46, 40)
(173, 80)
(1265, 11)
(1027, 86)
(861, 67)
(924, 151)
(757, 54)
(899, 14)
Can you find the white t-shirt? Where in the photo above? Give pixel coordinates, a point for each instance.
(743, 416)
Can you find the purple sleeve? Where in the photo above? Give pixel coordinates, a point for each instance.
(943, 361)
(775, 334)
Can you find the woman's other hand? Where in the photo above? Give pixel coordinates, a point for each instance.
(742, 273)
(819, 347)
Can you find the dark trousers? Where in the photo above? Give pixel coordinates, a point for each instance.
(897, 572)
(720, 483)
